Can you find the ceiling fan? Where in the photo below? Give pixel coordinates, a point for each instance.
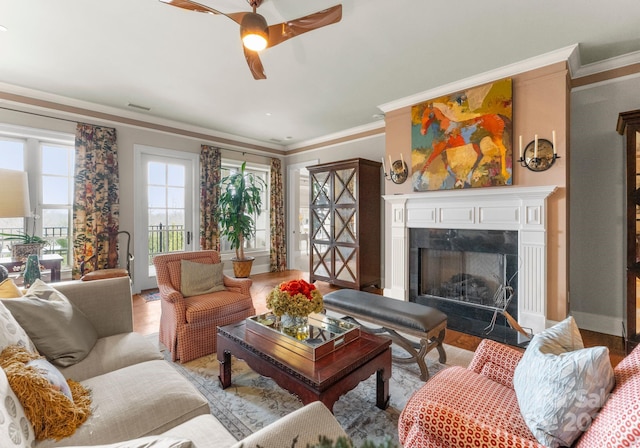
(257, 35)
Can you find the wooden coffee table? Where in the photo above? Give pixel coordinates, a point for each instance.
(323, 380)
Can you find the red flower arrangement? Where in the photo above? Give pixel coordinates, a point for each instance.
(296, 298)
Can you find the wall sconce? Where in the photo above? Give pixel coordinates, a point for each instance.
(540, 154)
(399, 170)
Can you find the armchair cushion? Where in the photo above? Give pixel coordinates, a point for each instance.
(560, 385)
(200, 278)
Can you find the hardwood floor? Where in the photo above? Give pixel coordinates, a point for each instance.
(147, 315)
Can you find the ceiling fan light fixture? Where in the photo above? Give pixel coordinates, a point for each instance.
(254, 31)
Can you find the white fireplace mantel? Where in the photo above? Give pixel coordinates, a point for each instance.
(522, 209)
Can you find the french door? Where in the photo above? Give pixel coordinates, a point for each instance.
(166, 216)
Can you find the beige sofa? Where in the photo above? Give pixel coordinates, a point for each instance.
(135, 393)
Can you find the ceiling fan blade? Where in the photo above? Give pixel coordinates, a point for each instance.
(255, 65)
(192, 6)
(291, 28)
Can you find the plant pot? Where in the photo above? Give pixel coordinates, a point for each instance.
(242, 268)
(22, 251)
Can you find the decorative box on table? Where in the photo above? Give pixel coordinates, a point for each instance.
(326, 334)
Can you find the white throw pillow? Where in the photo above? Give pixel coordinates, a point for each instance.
(15, 429)
(560, 385)
(11, 333)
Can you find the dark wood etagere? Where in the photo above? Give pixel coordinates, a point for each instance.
(629, 126)
(344, 215)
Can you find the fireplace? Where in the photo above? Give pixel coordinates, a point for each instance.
(471, 275)
(515, 217)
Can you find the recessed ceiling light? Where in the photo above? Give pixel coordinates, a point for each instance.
(268, 114)
(3, 28)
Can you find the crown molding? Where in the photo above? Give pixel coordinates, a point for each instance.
(607, 65)
(44, 101)
(337, 136)
(560, 55)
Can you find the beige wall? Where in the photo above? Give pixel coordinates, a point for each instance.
(540, 105)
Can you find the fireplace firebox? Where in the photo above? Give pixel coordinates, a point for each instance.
(471, 275)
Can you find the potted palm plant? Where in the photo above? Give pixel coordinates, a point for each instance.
(240, 198)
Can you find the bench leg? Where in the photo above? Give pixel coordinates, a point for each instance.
(438, 341)
(417, 356)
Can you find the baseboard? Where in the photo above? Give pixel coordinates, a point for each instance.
(601, 324)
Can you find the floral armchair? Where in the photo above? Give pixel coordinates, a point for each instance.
(188, 325)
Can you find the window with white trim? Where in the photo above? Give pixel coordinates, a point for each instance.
(48, 158)
(261, 242)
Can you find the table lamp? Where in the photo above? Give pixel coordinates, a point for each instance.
(14, 194)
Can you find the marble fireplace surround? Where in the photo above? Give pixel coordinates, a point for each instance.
(522, 209)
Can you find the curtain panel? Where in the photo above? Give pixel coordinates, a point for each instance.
(278, 252)
(210, 172)
(96, 206)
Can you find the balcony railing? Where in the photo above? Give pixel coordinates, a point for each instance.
(165, 238)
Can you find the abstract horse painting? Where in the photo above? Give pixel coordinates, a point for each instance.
(463, 140)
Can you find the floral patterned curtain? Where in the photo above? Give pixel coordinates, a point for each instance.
(210, 169)
(96, 206)
(278, 261)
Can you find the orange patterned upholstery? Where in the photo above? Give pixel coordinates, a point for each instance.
(477, 407)
(618, 423)
(188, 326)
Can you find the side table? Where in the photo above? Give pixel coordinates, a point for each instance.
(53, 262)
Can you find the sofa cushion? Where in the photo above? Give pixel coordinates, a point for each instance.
(112, 353)
(9, 290)
(15, 429)
(200, 278)
(147, 442)
(136, 401)
(51, 413)
(560, 385)
(205, 431)
(59, 331)
(11, 333)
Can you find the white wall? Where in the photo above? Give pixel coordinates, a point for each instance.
(597, 204)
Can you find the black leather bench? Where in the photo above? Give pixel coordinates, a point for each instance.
(395, 316)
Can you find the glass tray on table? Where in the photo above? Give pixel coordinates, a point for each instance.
(326, 334)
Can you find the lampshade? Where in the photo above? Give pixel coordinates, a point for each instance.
(14, 194)
(254, 31)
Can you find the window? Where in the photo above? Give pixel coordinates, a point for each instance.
(261, 241)
(48, 157)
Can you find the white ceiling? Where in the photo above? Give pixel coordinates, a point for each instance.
(189, 67)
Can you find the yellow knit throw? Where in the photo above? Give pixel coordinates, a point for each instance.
(51, 413)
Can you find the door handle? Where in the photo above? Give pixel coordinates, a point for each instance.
(188, 237)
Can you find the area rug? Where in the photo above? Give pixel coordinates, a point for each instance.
(150, 295)
(253, 401)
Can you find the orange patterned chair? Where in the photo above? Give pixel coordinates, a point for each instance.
(188, 324)
(477, 407)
